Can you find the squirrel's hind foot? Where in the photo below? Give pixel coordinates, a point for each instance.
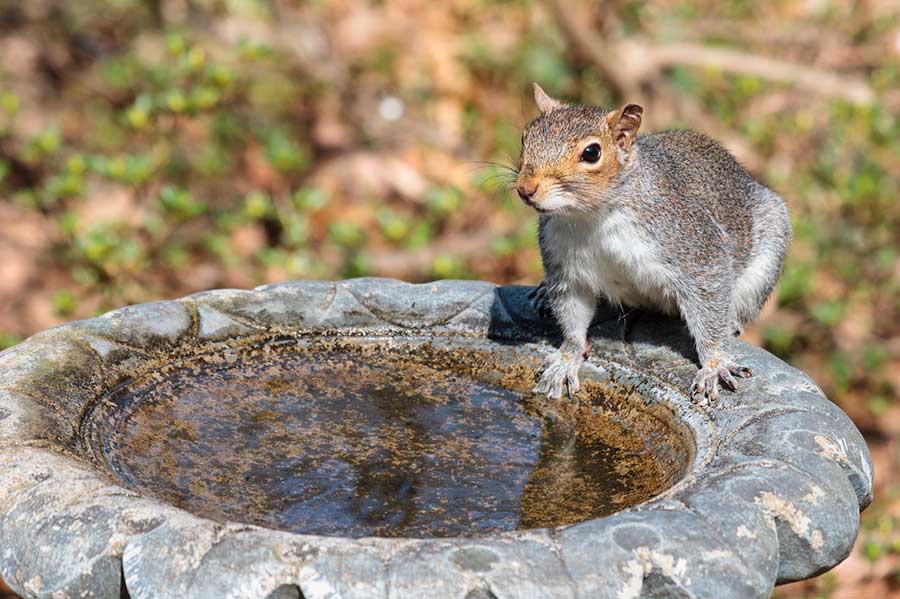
(560, 369)
(705, 388)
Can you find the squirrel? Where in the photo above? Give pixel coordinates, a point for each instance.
(666, 221)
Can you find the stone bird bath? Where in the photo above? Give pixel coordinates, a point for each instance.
(371, 438)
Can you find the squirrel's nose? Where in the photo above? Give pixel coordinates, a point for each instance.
(526, 193)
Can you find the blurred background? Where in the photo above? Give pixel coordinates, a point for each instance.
(153, 148)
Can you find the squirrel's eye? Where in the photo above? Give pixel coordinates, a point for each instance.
(591, 153)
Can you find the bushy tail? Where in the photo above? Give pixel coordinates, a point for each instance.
(771, 236)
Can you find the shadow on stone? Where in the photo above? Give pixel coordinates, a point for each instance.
(514, 320)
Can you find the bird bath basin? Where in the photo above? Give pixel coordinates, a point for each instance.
(367, 438)
(372, 438)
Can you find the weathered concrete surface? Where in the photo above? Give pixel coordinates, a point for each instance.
(773, 493)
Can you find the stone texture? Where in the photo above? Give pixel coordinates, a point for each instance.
(773, 494)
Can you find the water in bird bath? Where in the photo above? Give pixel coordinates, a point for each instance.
(370, 437)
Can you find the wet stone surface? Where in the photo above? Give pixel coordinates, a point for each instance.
(339, 441)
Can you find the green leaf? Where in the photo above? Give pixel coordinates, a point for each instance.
(204, 97)
(258, 205)
(176, 101)
(9, 103)
(283, 154)
(180, 203)
(445, 266)
(393, 226)
(64, 302)
(7, 340)
(310, 199)
(841, 370)
(829, 313)
(796, 282)
(442, 201)
(420, 236)
(873, 551)
(346, 234)
(175, 43)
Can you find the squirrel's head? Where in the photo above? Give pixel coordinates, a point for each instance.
(570, 154)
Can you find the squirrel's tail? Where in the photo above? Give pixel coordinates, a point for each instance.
(770, 235)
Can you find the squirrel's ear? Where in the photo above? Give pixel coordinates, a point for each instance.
(544, 102)
(625, 124)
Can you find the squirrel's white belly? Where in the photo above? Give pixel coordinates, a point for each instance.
(615, 259)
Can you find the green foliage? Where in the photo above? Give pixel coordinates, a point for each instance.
(873, 551)
(346, 234)
(7, 340)
(445, 266)
(107, 250)
(258, 205)
(443, 201)
(393, 226)
(309, 199)
(283, 154)
(64, 302)
(215, 143)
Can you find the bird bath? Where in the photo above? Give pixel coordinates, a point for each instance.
(372, 438)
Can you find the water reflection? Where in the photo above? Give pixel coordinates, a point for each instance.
(345, 444)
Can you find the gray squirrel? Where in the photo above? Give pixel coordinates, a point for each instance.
(667, 221)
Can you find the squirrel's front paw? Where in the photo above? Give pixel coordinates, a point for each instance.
(561, 368)
(706, 384)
